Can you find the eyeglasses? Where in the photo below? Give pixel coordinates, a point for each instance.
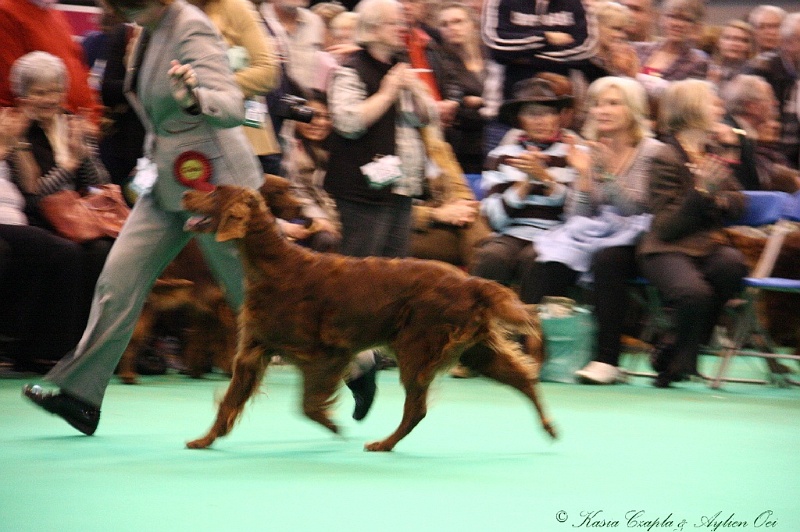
(43, 92)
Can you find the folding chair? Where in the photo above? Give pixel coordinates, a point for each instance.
(762, 208)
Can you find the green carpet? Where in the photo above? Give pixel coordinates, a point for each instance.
(690, 456)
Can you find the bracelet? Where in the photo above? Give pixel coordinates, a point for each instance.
(23, 146)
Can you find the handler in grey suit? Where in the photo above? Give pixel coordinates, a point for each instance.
(185, 94)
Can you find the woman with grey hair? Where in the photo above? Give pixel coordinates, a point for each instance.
(62, 155)
(608, 212)
(692, 193)
(40, 273)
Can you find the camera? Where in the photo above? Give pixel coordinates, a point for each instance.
(291, 107)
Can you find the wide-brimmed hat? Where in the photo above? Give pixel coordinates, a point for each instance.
(533, 90)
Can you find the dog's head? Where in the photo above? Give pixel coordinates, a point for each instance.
(227, 211)
(280, 201)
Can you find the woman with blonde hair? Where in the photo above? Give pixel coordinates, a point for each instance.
(615, 54)
(461, 38)
(735, 45)
(692, 193)
(607, 212)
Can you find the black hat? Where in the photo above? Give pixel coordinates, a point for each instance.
(533, 90)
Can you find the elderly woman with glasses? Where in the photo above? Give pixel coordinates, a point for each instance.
(62, 153)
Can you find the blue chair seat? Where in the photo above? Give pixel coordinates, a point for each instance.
(775, 284)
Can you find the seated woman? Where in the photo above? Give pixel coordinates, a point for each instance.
(40, 273)
(692, 194)
(304, 162)
(607, 210)
(62, 156)
(526, 186)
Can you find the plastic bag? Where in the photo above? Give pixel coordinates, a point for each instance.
(569, 343)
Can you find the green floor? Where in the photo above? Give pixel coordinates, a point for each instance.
(690, 456)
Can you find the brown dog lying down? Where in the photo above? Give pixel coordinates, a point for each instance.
(317, 310)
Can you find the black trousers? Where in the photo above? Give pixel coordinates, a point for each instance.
(40, 288)
(612, 268)
(697, 288)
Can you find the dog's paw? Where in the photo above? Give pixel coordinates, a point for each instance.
(378, 446)
(200, 443)
(128, 378)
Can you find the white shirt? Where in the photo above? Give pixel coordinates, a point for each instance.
(12, 203)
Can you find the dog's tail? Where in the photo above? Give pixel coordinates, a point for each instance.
(507, 308)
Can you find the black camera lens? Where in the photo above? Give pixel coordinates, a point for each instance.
(291, 107)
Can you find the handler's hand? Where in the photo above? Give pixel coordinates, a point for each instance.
(183, 81)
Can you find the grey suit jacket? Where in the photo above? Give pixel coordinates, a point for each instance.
(186, 34)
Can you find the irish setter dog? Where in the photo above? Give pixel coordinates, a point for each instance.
(317, 310)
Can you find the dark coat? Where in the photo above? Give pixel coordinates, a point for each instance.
(686, 220)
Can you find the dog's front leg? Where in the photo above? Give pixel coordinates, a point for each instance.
(248, 371)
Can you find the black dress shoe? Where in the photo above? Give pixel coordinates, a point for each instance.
(663, 380)
(363, 389)
(79, 414)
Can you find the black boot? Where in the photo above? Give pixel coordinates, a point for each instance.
(363, 389)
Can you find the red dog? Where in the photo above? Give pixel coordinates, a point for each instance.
(317, 310)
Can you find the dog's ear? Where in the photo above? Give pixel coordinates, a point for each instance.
(233, 222)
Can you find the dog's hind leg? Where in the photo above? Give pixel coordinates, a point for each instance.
(321, 376)
(504, 363)
(248, 371)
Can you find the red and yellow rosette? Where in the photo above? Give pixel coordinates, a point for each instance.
(193, 169)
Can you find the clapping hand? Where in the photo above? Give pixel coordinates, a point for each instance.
(77, 131)
(710, 172)
(530, 162)
(13, 124)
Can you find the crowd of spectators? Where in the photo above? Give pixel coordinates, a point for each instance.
(356, 104)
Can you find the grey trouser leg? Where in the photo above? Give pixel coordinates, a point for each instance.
(149, 241)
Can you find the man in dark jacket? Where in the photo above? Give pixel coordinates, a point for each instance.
(544, 35)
